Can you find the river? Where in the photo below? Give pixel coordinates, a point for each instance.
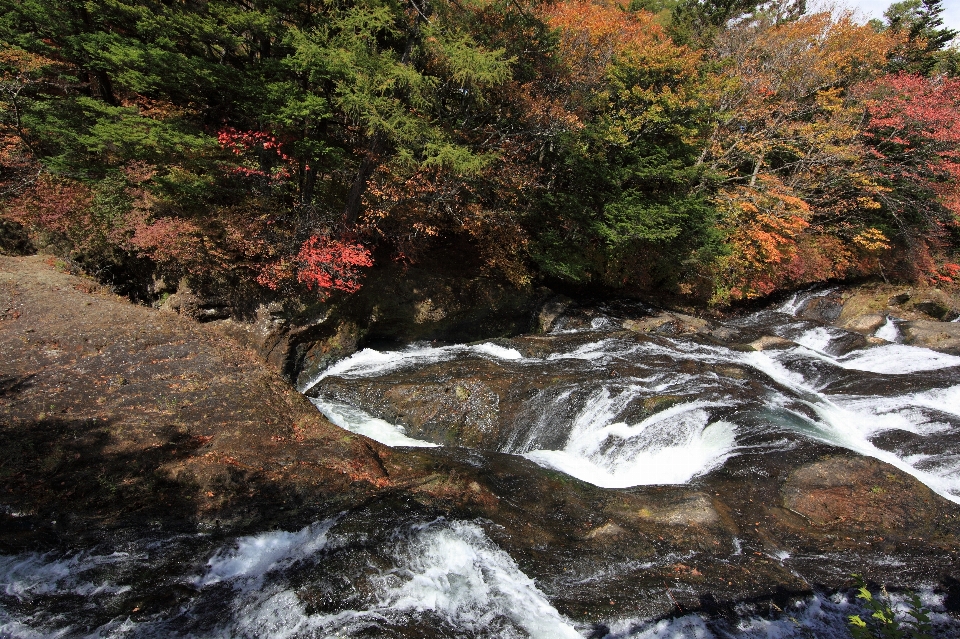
(617, 409)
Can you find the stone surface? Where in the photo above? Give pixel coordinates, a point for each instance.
(768, 342)
(118, 413)
(115, 416)
(397, 305)
(941, 336)
(866, 324)
(923, 312)
(669, 323)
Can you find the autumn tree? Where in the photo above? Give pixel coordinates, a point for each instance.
(924, 37)
(913, 139)
(786, 139)
(620, 209)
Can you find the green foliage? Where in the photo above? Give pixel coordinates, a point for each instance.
(927, 39)
(883, 622)
(579, 141)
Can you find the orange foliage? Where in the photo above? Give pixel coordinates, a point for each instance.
(594, 34)
(789, 130)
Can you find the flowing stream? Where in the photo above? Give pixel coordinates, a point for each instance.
(610, 407)
(620, 410)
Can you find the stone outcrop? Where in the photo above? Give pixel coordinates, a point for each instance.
(397, 305)
(924, 315)
(115, 417)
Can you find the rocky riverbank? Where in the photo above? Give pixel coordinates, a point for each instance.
(125, 421)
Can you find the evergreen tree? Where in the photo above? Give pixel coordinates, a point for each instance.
(921, 22)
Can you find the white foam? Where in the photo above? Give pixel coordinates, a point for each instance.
(888, 331)
(797, 300)
(11, 628)
(357, 421)
(602, 349)
(669, 447)
(897, 359)
(767, 364)
(791, 306)
(909, 412)
(449, 569)
(370, 362)
(851, 428)
(817, 616)
(686, 627)
(36, 574)
(495, 350)
(255, 556)
(818, 339)
(455, 571)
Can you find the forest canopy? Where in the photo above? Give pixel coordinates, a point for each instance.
(717, 149)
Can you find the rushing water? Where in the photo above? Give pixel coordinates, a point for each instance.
(430, 579)
(591, 400)
(894, 402)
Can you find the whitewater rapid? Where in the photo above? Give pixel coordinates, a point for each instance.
(812, 386)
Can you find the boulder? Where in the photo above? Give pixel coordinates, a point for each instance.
(768, 342)
(936, 309)
(864, 324)
(940, 336)
(825, 308)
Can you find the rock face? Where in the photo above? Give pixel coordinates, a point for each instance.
(119, 414)
(941, 336)
(397, 305)
(924, 315)
(121, 420)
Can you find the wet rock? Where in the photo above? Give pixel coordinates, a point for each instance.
(725, 333)
(865, 324)
(941, 336)
(768, 342)
(397, 305)
(936, 309)
(609, 529)
(472, 407)
(550, 311)
(825, 308)
(900, 298)
(694, 509)
(861, 493)
(667, 323)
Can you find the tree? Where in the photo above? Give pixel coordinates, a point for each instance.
(621, 209)
(926, 38)
(913, 137)
(787, 140)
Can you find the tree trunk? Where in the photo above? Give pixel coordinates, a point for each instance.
(351, 211)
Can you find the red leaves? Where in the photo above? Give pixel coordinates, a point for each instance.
(323, 263)
(326, 263)
(52, 204)
(914, 129)
(239, 142)
(244, 143)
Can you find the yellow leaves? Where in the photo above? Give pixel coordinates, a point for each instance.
(425, 229)
(594, 34)
(16, 63)
(872, 239)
